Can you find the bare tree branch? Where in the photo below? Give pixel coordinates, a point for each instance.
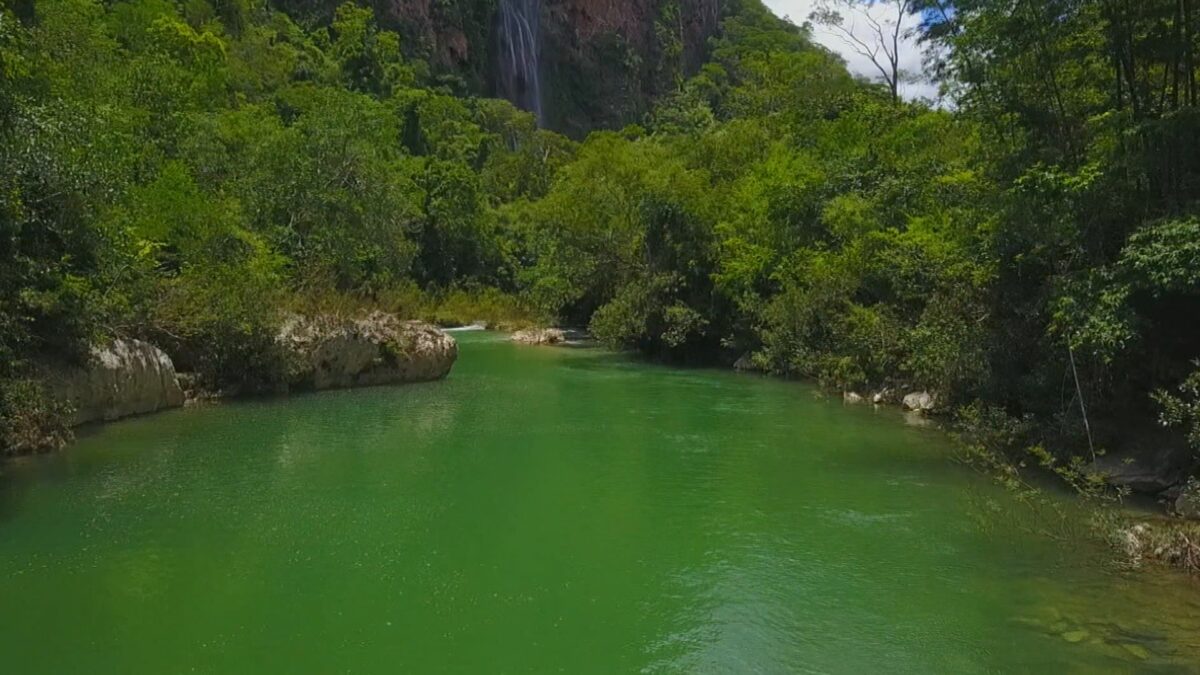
(882, 46)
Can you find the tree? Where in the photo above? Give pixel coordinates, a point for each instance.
(872, 29)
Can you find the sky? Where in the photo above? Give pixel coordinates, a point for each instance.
(910, 53)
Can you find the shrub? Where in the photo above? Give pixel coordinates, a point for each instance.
(30, 420)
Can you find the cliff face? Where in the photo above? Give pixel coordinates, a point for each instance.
(452, 34)
(584, 64)
(606, 60)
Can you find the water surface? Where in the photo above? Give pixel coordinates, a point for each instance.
(552, 510)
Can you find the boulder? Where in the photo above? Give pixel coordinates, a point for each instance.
(1187, 504)
(920, 401)
(539, 336)
(852, 397)
(1146, 468)
(746, 364)
(127, 377)
(326, 352)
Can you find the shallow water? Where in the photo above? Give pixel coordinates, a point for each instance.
(552, 510)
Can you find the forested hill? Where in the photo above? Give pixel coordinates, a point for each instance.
(185, 172)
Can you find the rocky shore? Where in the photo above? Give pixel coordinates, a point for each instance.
(332, 353)
(133, 377)
(124, 378)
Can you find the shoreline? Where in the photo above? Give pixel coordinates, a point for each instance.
(1143, 531)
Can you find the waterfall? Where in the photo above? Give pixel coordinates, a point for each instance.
(519, 46)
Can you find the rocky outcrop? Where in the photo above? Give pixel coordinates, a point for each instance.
(539, 336)
(1187, 504)
(127, 377)
(606, 63)
(326, 352)
(1143, 469)
(920, 401)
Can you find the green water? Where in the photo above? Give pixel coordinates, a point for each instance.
(551, 510)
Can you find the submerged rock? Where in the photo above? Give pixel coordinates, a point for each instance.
(326, 352)
(1137, 651)
(920, 401)
(1076, 636)
(915, 418)
(539, 336)
(127, 377)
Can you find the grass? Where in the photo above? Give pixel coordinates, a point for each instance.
(1171, 542)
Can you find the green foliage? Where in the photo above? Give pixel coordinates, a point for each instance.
(1164, 257)
(178, 171)
(30, 421)
(495, 309)
(369, 59)
(1182, 407)
(183, 171)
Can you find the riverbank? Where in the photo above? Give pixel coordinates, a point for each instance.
(333, 351)
(1157, 469)
(232, 349)
(543, 505)
(1002, 450)
(130, 377)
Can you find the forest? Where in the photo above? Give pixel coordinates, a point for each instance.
(188, 172)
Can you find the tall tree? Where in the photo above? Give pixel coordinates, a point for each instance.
(873, 29)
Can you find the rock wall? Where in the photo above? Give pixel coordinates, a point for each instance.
(333, 353)
(128, 377)
(603, 61)
(607, 60)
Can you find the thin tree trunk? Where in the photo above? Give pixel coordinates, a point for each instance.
(1189, 51)
(1087, 426)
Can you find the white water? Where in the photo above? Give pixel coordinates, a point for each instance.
(520, 43)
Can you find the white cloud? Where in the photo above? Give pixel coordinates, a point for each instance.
(910, 51)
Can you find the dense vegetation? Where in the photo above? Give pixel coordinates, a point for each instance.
(186, 171)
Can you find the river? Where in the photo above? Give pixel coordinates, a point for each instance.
(553, 510)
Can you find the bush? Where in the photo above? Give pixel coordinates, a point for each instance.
(221, 323)
(1182, 407)
(461, 307)
(31, 421)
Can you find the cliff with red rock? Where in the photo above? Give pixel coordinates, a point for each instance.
(583, 64)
